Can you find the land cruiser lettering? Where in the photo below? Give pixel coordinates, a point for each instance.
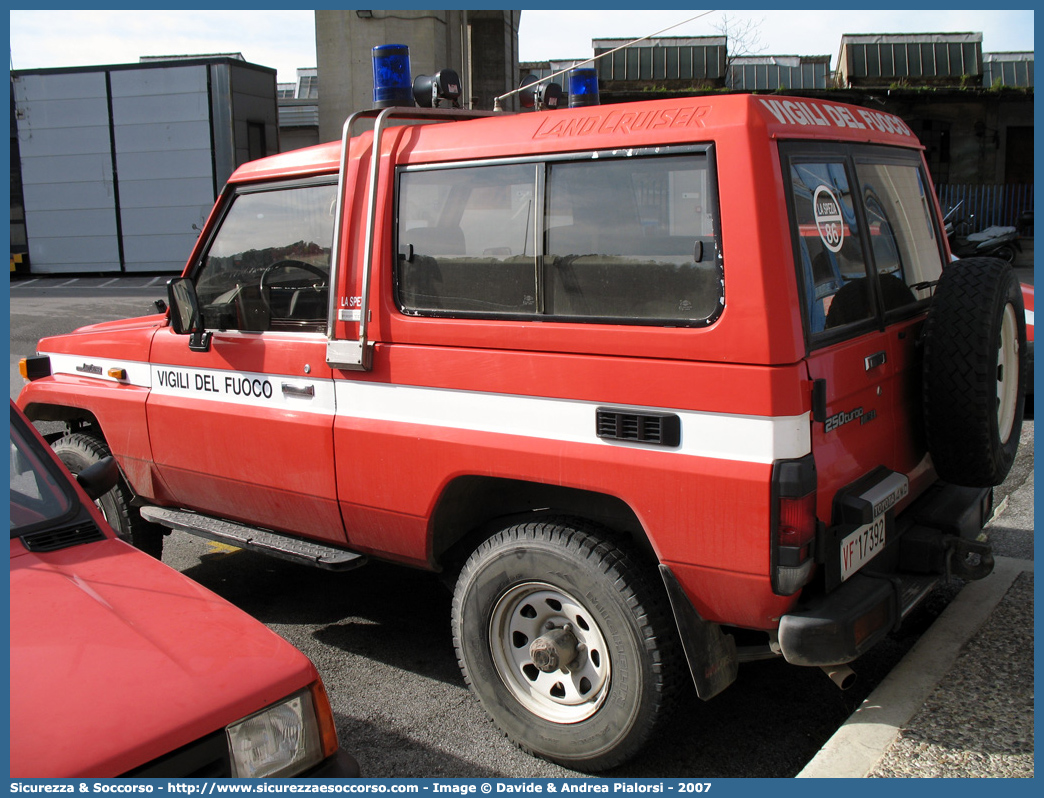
(597, 368)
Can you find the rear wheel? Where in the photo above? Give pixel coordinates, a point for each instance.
(975, 372)
(568, 648)
(78, 451)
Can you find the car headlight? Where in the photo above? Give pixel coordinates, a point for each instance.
(284, 739)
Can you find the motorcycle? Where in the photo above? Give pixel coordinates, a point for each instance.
(994, 241)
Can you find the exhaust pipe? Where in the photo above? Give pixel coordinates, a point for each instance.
(841, 675)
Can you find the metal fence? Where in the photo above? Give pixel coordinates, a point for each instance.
(986, 205)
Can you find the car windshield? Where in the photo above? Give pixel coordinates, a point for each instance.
(37, 495)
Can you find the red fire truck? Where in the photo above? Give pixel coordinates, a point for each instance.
(659, 387)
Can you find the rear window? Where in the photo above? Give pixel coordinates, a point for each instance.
(865, 240)
(618, 240)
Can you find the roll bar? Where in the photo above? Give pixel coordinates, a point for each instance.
(357, 355)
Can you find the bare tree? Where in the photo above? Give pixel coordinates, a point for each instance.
(743, 38)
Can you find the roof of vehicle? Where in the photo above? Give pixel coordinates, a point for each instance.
(622, 125)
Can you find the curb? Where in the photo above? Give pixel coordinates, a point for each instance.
(857, 747)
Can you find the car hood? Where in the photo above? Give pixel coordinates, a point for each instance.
(117, 659)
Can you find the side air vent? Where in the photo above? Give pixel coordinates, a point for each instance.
(658, 429)
(62, 538)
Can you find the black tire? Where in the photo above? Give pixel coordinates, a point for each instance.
(600, 712)
(78, 450)
(975, 372)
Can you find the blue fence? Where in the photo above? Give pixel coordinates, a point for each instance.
(989, 205)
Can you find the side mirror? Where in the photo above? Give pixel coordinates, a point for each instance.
(99, 478)
(185, 315)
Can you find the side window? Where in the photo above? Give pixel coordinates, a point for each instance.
(633, 239)
(618, 240)
(466, 240)
(829, 245)
(268, 266)
(903, 238)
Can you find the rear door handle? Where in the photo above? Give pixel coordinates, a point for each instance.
(875, 360)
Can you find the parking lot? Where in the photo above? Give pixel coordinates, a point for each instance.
(380, 636)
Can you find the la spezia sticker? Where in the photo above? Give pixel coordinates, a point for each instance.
(350, 309)
(829, 221)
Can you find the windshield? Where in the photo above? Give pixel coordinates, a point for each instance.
(37, 495)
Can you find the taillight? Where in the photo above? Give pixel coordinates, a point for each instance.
(794, 524)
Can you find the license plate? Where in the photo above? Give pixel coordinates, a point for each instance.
(861, 546)
(866, 542)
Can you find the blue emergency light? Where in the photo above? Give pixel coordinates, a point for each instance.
(392, 85)
(583, 87)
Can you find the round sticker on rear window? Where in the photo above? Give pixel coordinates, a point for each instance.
(829, 222)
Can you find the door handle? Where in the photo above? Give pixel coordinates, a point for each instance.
(298, 389)
(875, 360)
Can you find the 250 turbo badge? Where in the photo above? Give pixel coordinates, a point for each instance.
(838, 420)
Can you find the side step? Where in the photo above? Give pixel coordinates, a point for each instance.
(309, 552)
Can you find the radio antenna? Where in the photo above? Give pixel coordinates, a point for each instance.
(496, 101)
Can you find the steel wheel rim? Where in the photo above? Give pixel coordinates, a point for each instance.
(1007, 374)
(567, 695)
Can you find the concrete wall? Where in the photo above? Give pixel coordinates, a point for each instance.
(976, 127)
(482, 46)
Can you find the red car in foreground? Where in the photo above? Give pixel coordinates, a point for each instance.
(121, 666)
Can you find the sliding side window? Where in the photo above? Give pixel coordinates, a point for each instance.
(466, 241)
(626, 241)
(633, 240)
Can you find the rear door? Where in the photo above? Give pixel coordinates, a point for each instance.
(866, 252)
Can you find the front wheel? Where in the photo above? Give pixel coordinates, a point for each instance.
(78, 451)
(566, 645)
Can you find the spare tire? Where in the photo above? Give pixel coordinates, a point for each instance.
(975, 372)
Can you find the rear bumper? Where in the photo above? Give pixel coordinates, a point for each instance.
(939, 532)
(851, 620)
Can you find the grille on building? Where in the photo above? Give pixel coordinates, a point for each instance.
(673, 62)
(1007, 69)
(775, 72)
(887, 59)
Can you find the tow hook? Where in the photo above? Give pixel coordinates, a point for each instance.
(968, 559)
